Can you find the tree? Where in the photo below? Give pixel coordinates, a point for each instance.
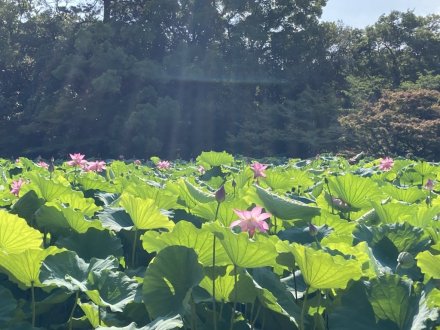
(400, 122)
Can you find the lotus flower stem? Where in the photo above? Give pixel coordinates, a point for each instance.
(275, 225)
(73, 310)
(256, 316)
(133, 251)
(213, 273)
(33, 303)
(301, 325)
(317, 312)
(294, 285)
(193, 315)
(235, 297)
(330, 193)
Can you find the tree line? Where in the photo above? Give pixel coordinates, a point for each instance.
(175, 77)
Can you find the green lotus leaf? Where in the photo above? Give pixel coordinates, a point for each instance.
(354, 311)
(243, 251)
(214, 158)
(225, 289)
(356, 191)
(340, 226)
(50, 219)
(226, 214)
(163, 199)
(278, 181)
(76, 201)
(169, 280)
(285, 209)
(433, 299)
(267, 282)
(93, 243)
(7, 307)
(69, 271)
(429, 264)
(186, 234)
(77, 221)
(144, 213)
(94, 181)
(390, 299)
(115, 219)
(393, 212)
(92, 314)
(301, 179)
(24, 267)
(112, 289)
(424, 217)
(394, 299)
(362, 253)
(406, 237)
(65, 270)
(425, 169)
(47, 189)
(408, 195)
(26, 206)
(16, 235)
(197, 194)
(410, 177)
(323, 271)
(161, 323)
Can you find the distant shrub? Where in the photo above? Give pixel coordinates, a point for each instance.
(400, 122)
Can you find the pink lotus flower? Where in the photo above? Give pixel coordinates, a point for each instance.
(163, 165)
(201, 170)
(253, 220)
(96, 166)
(429, 185)
(77, 160)
(137, 162)
(16, 186)
(258, 169)
(386, 164)
(43, 164)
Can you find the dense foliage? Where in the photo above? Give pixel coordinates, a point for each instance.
(220, 243)
(173, 77)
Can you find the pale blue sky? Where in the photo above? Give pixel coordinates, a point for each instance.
(360, 13)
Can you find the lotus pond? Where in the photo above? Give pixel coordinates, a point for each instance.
(220, 243)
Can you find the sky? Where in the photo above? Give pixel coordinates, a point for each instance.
(360, 13)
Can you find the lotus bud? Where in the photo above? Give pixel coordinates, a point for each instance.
(429, 185)
(405, 260)
(220, 194)
(51, 167)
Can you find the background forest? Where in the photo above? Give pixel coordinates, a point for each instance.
(175, 77)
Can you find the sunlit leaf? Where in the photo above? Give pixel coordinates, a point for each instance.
(47, 189)
(283, 208)
(243, 251)
(356, 191)
(186, 234)
(24, 268)
(429, 264)
(225, 288)
(144, 213)
(214, 158)
(16, 235)
(323, 271)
